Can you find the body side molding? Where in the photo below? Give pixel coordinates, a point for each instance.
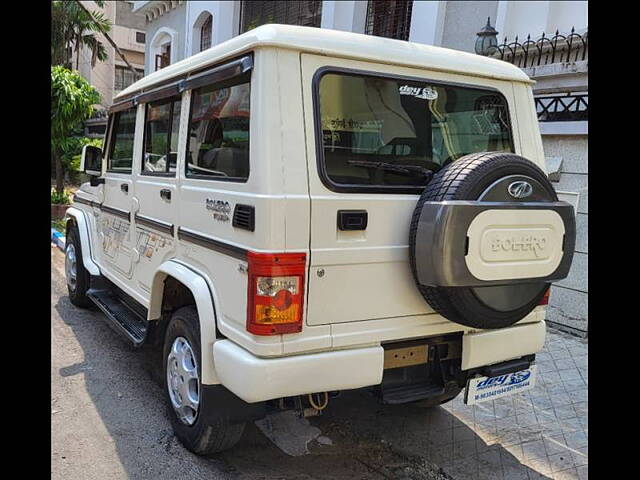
(156, 224)
(212, 244)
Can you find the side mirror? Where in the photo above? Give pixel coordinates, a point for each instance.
(91, 163)
(91, 160)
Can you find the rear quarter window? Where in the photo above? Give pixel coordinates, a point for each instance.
(218, 145)
(384, 133)
(121, 148)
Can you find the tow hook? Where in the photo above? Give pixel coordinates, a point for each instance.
(310, 405)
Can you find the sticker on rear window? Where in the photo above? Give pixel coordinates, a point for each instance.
(426, 93)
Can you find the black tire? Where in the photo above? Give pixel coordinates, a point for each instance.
(77, 292)
(467, 179)
(205, 436)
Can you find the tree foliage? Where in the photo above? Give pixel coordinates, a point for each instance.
(72, 101)
(72, 26)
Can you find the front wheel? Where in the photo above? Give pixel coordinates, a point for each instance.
(186, 396)
(78, 278)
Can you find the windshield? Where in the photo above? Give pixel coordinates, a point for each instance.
(371, 124)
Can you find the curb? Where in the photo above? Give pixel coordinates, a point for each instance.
(58, 239)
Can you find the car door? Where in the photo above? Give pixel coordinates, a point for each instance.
(373, 131)
(115, 219)
(156, 188)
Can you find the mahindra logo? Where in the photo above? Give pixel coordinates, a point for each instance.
(520, 189)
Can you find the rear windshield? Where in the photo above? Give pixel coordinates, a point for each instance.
(387, 132)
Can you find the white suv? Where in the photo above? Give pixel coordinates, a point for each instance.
(300, 211)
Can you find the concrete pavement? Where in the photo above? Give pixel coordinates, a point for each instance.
(109, 420)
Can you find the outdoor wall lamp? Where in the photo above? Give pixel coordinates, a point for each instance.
(487, 39)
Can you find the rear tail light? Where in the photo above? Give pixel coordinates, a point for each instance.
(545, 298)
(276, 293)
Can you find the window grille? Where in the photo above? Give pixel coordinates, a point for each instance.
(256, 13)
(123, 77)
(391, 19)
(163, 59)
(205, 34)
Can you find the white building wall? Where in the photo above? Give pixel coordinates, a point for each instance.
(427, 22)
(226, 23)
(345, 16)
(534, 17)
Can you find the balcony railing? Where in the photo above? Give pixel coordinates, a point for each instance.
(558, 48)
(566, 107)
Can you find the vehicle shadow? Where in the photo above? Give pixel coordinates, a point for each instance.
(369, 440)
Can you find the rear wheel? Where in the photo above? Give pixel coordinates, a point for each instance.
(186, 396)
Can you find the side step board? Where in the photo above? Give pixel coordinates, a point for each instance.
(122, 318)
(410, 393)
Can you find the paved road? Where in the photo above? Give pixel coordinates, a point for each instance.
(109, 420)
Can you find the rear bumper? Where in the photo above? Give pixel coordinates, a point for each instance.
(493, 346)
(256, 379)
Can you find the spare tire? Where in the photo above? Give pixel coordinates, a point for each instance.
(486, 177)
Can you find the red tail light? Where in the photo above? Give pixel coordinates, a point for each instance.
(545, 298)
(275, 296)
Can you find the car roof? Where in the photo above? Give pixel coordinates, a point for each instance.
(337, 44)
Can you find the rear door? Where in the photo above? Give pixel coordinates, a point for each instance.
(372, 131)
(156, 188)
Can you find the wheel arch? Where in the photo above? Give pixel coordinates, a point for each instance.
(203, 299)
(75, 216)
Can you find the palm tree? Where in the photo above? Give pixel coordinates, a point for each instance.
(73, 27)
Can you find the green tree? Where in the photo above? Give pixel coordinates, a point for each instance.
(73, 27)
(72, 101)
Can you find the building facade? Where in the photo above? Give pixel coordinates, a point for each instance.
(547, 39)
(113, 75)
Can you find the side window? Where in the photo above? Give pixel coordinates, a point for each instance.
(161, 130)
(218, 145)
(121, 151)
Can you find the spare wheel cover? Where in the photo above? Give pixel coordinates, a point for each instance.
(484, 177)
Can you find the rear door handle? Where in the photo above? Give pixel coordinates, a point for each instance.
(166, 194)
(124, 187)
(352, 220)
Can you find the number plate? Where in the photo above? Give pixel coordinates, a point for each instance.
(481, 389)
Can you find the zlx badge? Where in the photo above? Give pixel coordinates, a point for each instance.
(220, 209)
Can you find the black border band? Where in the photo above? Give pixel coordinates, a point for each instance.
(211, 73)
(221, 73)
(117, 212)
(210, 243)
(155, 224)
(91, 203)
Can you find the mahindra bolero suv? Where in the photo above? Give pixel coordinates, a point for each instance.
(299, 211)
